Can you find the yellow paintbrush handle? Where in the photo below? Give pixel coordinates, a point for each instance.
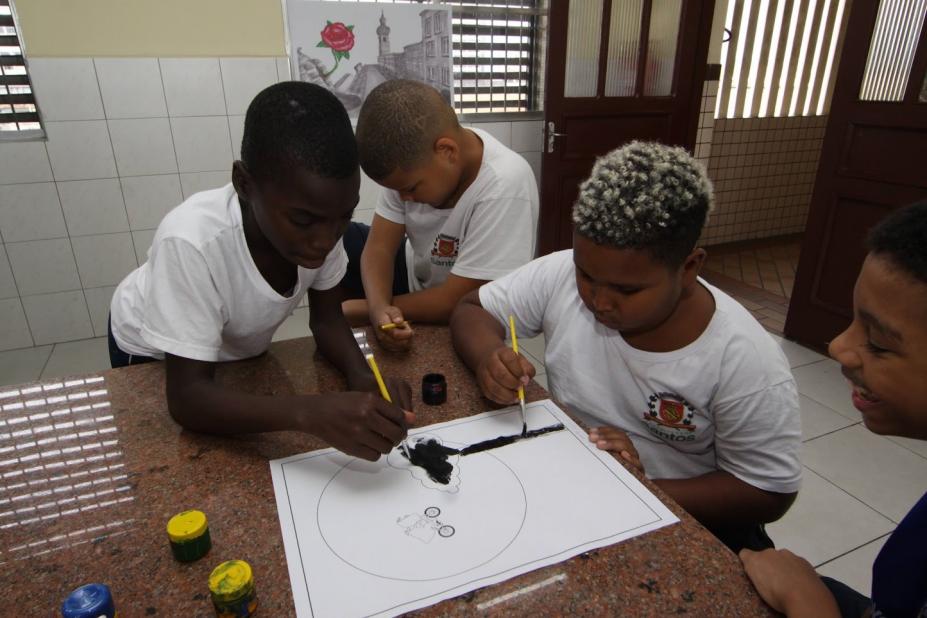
(521, 389)
(379, 378)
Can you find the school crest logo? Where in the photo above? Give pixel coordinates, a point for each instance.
(669, 417)
(445, 247)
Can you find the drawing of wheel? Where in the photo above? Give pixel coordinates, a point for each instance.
(432, 511)
(446, 531)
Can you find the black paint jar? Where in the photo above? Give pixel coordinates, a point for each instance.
(434, 389)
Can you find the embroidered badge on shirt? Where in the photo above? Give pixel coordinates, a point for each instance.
(444, 252)
(669, 417)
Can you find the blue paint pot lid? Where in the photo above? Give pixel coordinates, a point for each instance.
(90, 601)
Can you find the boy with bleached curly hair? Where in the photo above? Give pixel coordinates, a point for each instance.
(671, 374)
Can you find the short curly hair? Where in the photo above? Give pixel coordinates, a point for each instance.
(902, 238)
(398, 125)
(298, 125)
(648, 196)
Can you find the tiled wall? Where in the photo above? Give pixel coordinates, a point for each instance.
(128, 139)
(763, 171)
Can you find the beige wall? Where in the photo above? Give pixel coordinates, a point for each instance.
(63, 28)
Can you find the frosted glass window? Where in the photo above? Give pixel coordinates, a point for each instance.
(661, 47)
(582, 53)
(891, 51)
(624, 41)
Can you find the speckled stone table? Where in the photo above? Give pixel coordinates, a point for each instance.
(91, 469)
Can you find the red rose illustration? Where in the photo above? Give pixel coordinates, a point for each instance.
(338, 36)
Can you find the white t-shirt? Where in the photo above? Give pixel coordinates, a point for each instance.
(200, 294)
(489, 232)
(727, 401)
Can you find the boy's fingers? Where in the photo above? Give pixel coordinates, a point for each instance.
(410, 418)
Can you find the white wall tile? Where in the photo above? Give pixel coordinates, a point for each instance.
(80, 150)
(149, 198)
(237, 130)
(283, 69)
(369, 192)
(143, 146)
(131, 87)
(66, 88)
(528, 136)
(202, 143)
(30, 212)
(43, 266)
(243, 78)
(7, 283)
(192, 86)
(502, 131)
(142, 240)
(98, 301)
(363, 215)
(93, 206)
(534, 160)
(104, 259)
(14, 330)
(203, 181)
(24, 162)
(58, 317)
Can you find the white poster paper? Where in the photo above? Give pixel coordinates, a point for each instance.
(383, 538)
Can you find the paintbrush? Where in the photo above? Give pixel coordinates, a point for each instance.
(521, 389)
(392, 325)
(367, 351)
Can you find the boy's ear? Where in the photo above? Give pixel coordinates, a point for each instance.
(242, 181)
(692, 266)
(448, 149)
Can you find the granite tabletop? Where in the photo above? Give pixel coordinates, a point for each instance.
(92, 467)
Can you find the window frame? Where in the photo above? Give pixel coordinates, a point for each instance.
(18, 80)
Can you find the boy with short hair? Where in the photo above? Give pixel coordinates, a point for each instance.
(882, 356)
(228, 266)
(671, 374)
(468, 205)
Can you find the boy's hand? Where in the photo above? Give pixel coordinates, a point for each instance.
(617, 443)
(360, 424)
(501, 373)
(788, 583)
(399, 390)
(398, 339)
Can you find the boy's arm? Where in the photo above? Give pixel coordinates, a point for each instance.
(789, 584)
(479, 339)
(720, 499)
(435, 305)
(336, 342)
(359, 424)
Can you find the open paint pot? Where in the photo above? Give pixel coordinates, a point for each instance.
(434, 389)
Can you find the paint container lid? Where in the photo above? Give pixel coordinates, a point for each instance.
(187, 526)
(90, 601)
(231, 581)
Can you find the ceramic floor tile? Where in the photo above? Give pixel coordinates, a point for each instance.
(797, 354)
(535, 348)
(78, 357)
(817, 420)
(823, 382)
(887, 477)
(295, 326)
(25, 365)
(855, 568)
(918, 446)
(826, 522)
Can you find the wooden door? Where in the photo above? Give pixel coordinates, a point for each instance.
(874, 159)
(617, 70)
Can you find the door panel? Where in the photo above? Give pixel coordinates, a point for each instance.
(872, 161)
(617, 70)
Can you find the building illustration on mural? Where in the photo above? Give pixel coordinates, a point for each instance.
(427, 60)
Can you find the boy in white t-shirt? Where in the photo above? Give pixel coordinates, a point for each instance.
(228, 266)
(468, 205)
(670, 373)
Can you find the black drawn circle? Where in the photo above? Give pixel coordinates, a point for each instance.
(446, 531)
(432, 511)
(521, 525)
